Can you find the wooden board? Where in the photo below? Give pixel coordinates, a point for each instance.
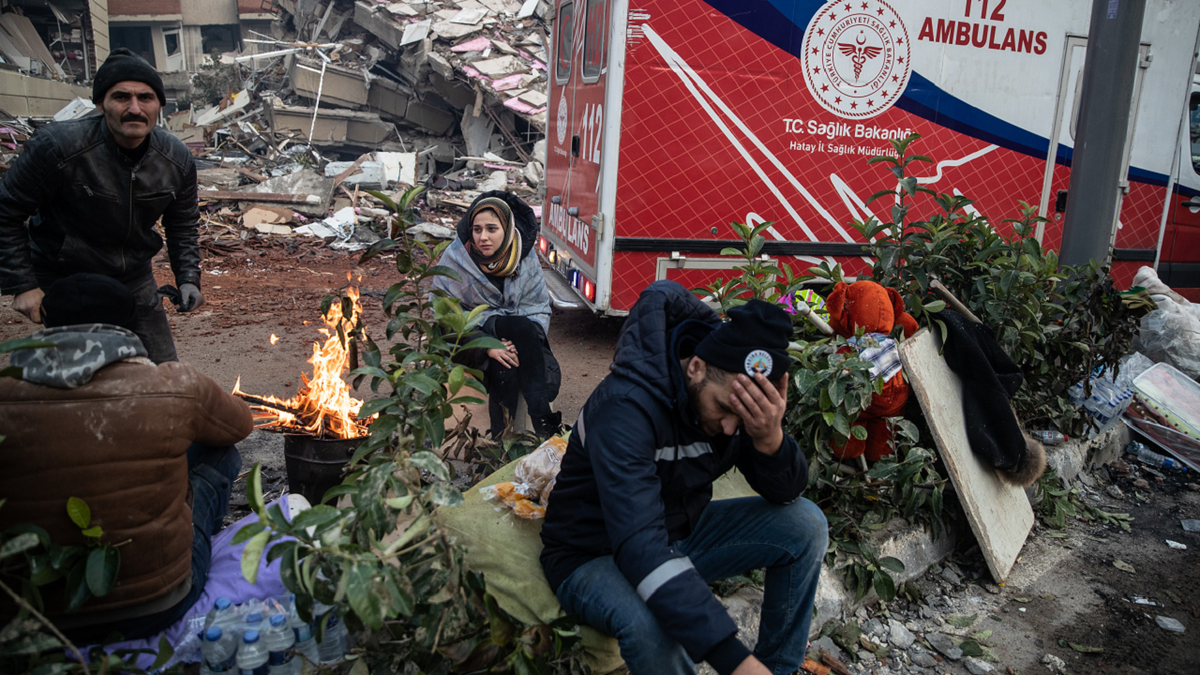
(999, 513)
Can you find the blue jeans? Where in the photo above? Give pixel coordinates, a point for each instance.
(732, 537)
(211, 472)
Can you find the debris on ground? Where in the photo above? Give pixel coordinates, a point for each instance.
(343, 98)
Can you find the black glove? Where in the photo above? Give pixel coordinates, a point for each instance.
(190, 297)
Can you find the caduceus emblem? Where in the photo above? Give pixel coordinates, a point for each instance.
(859, 53)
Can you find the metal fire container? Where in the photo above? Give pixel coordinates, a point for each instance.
(315, 464)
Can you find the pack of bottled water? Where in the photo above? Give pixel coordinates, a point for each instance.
(1109, 396)
(268, 637)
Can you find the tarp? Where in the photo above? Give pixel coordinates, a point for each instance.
(505, 550)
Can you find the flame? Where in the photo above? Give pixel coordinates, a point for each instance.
(323, 405)
(274, 338)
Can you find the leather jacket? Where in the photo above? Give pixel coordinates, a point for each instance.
(93, 209)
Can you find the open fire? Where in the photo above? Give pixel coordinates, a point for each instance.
(323, 407)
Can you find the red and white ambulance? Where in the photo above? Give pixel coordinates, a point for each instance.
(668, 119)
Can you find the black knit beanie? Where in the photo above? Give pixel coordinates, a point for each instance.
(88, 298)
(123, 65)
(754, 340)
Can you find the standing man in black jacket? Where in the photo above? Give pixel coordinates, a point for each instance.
(631, 535)
(95, 187)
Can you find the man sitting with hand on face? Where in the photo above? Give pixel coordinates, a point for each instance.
(95, 187)
(631, 535)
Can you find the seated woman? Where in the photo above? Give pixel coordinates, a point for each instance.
(493, 253)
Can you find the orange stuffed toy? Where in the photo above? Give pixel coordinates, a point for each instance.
(875, 309)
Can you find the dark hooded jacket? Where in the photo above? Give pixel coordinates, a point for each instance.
(95, 209)
(638, 473)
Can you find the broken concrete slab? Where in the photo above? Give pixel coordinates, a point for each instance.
(369, 176)
(311, 188)
(74, 110)
(389, 98)
(534, 98)
(337, 86)
(470, 17)
(399, 167)
(219, 178)
(415, 32)
(332, 127)
(999, 513)
(452, 31)
(500, 66)
(440, 65)
(433, 118)
(380, 24)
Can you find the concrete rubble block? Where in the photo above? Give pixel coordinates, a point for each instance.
(449, 30)
(502, 6)
(402, 9)
(398, 167)
(338, 86)
(415, 32)
(534, 173)
(333, 127)
(440, 65)
(500, 66)
(437, 120)
(470, 17)
(527, 9)
(389, 99)
(534, 98)
(219, 178)
(497, 181)
(504, 48)
(74, 110)
(539, 151)
(369, 176)
(428, 232)
(317, 188)
(477, 132)
(455, 93)
(380, 24)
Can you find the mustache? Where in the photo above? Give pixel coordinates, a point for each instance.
(135, 118)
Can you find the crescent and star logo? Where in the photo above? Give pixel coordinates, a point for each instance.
(561, 119)
(856, 58)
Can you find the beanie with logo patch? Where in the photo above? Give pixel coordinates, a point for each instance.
(754, 340)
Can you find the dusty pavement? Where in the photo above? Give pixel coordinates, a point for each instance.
(1072, 598)
(1066, 589)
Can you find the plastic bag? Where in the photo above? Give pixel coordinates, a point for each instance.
(534, 477)
(1171, 333)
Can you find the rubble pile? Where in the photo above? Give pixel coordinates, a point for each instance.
(347, 96)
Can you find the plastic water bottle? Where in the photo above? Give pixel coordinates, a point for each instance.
(306, 643)
(333, 648)
(1075, 394)
(254, 621)
(1049, 436)
(1154, 459)
(279, 640)
(223, 614)
(252, 655)
(219, 651)
(1098, 405)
